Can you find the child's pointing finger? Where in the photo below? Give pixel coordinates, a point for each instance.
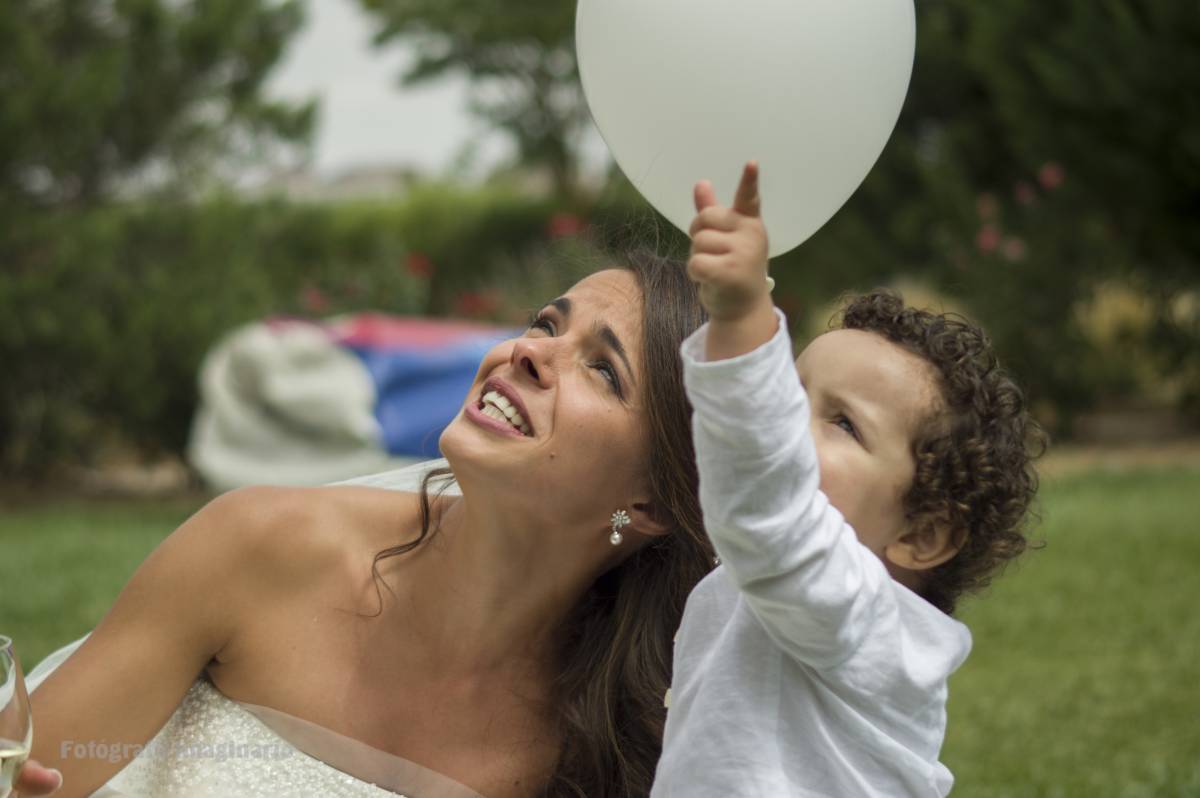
(747, 201)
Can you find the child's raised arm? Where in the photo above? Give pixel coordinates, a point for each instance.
(813, 587)
(729, 262)
(797, 564)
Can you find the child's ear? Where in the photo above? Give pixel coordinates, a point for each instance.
(927, 545)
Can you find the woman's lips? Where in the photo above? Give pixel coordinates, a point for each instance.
(504, 428)
(510, 393)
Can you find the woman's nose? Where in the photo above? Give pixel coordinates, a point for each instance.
(534, 358)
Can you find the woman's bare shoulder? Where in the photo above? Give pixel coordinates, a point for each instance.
(290, 535)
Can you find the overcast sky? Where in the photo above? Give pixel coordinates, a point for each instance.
(366, 118)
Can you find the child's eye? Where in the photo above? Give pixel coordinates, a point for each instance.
(847, 425)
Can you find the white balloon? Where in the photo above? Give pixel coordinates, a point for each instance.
(684, 90)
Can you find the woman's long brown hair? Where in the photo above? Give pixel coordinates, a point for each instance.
(618, 641)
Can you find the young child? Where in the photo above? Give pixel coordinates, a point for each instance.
(850, 508)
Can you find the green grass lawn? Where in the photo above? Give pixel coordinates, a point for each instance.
(1084, 680)
(1085, 676)
(62, 564)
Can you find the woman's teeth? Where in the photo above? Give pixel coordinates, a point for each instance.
(497, 407)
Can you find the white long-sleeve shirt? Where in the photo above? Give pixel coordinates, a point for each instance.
(801, 667)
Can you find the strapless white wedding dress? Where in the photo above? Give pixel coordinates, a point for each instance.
(215, 746)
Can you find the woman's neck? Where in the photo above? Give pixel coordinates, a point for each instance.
(484, 596)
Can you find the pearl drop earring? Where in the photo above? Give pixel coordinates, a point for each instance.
(619, 519)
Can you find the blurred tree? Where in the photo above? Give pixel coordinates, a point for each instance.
(101, 95)
(1110, 90)
(100, 91)
(1100, 99)
(521, 59)
(1044, 148)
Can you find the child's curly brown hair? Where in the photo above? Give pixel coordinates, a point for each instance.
(974, 458)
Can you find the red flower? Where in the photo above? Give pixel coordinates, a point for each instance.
(1051, 175)
(988, 239)
(1014, 249)
(313, 300)
(1025, 193)
(419, 265)
(564, 224)
(476, 304)
(986, 206)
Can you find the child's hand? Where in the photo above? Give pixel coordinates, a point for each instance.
(729, 251)
(729, 262)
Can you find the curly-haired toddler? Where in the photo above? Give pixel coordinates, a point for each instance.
(851, 509)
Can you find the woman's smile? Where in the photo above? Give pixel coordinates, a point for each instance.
(502, 402)
(489, 415)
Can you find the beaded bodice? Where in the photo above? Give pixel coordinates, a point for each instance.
(214, 746)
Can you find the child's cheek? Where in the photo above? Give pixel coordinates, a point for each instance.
(836, 482)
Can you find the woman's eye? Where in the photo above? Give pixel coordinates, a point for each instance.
(542, 323)
(609, 373)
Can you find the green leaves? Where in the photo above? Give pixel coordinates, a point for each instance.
(97, 92)
(522, 53)
(1045, 150)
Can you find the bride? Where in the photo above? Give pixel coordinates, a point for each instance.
(512, 641)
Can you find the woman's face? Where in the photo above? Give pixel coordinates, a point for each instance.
(553, 426)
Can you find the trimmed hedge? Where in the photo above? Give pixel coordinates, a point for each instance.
(107, 314)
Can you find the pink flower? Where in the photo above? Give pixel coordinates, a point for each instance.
(1025, 193)
(476, 303)
(564, 224)
(1051, 175)
(314, 300)
(988, 239)
(419, 265)
(1014, 249)
(986, 206)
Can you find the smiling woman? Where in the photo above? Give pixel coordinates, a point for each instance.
(502, 642)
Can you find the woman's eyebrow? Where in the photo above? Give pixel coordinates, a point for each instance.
(606, 334)
(601, 330)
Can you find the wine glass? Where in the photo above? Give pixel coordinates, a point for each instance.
(16, 721)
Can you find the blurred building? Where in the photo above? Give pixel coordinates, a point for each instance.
(373, 181)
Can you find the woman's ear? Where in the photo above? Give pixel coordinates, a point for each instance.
(646, 518)
(929, 544)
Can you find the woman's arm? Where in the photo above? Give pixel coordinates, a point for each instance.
(176, 614)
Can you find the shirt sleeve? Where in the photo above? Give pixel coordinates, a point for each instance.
(800, 567)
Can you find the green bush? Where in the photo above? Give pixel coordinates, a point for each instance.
(108, 313)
